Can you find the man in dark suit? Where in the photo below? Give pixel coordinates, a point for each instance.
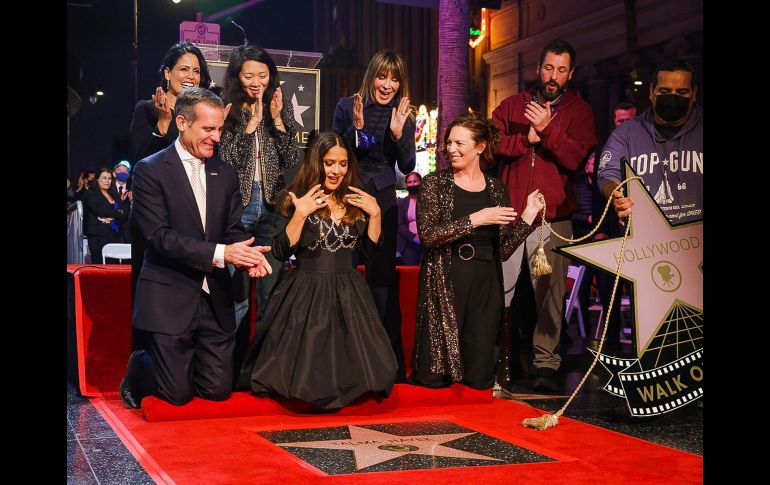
(122, 175)
(187, 206)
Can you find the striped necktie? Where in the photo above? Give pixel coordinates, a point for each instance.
(197, 187)
(200, 198)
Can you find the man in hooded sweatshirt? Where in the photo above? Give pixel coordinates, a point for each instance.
(664, 146)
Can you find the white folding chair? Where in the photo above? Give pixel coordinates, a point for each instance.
(575, 273)
(86, 257)
(625, 304)
(117, 251)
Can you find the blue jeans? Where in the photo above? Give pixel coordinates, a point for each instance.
(263, 222)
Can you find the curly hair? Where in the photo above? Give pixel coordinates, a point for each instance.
(482, 129)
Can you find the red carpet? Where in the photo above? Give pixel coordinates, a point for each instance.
(102, 325)
(228, 450)
(247, 404)
(103, 322)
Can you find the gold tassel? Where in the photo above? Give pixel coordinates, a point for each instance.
(540, 266)
(542, 422)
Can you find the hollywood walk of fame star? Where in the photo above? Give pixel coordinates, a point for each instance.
(298, 110)
(664, 262)
(372, 447)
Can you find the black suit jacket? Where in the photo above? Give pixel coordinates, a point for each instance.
(178, 253)
(95, 205)
(143, 142)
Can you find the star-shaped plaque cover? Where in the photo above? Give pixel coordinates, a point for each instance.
(664, 262)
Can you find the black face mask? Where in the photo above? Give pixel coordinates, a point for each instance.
(671, 107)
(413, 189)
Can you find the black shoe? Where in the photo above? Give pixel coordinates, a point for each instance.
(546, 380)
(128, 392)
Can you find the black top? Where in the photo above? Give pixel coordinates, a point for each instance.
(144, 139)
(326, 246)
(467, 203)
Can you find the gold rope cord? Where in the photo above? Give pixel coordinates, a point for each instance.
(550, 420)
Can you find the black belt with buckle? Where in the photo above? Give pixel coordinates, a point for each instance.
(468, 251)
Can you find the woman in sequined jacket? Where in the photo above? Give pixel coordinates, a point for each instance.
(258, 141)
(466, 224)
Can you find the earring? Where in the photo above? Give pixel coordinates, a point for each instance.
(168, 84)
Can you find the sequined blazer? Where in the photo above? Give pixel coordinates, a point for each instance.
(279, 153)
(435, 298)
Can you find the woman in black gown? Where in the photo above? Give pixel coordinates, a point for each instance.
(321, 340)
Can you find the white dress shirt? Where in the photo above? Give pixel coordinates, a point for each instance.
(219, 252)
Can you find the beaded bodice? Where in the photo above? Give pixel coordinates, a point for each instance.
(328, 246)
(332, 236)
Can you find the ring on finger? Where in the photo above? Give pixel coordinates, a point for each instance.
(319, 201)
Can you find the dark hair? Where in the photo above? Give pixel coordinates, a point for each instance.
(482, 129)
(311, 173)
(674, 65)
(419, 177)
(172, 57)
(188, 98)
(94, 184)
(558, 47)
(625, 105)
(233, 92)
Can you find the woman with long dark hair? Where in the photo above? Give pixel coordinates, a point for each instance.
(258, 141)
(105, 214)
(153, 127)
(320, 339)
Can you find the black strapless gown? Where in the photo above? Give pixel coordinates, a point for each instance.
(321, 339)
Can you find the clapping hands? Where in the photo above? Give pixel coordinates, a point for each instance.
(244, 256)
(160, 103)
(398, 117)
(358, 112)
